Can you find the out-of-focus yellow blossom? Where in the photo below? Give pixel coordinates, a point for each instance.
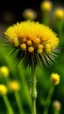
(4, 71)
(55, 78)
(57, 105)
(59, 13)
(29, 14)
(14, 86)
(3, 89)
(46, 6)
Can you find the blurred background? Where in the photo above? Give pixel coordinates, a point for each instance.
(11, 13)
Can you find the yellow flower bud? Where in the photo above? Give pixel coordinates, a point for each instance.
(16, 42)
(43, 38)
(36, 40)
(57, 105)
(3, 89)
(58, 13)
(46, 6)
(29, 42)
(14, 86)
(30, 49)
(48, 48)
(23, 46)
(39, 51)
(55, 78)
(29, 14)
(4, 71)
(40, 46)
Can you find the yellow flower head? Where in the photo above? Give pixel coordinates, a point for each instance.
(59, 13)
(3, 89)
(46, 6)
(55, 78)
(29, 14)
(32, 40)
(57, 105)
(14, 86)
(4, 71)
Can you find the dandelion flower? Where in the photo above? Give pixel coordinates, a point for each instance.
(57, 105)
(29, 14)
(46, 6)
(33, 42)
(59, 13)
(4, 71)
(14, 86)
(55, 78)
(3, 89)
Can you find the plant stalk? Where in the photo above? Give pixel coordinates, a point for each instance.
(48, 101)
(8, 105)
(19, 104)
(33, 92)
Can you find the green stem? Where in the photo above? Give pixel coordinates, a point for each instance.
(48, 101)
(8, 105)
(45, 18)
(33, 92)
(19, 104)
(59, 27)
(56, 112)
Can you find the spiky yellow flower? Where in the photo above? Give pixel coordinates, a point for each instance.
(29, 14)
(55, 78)
(59, 13)
(32, 40)
(3, 89)
(57, 105)
(4, 71)
(14, 85)
(46, 6)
